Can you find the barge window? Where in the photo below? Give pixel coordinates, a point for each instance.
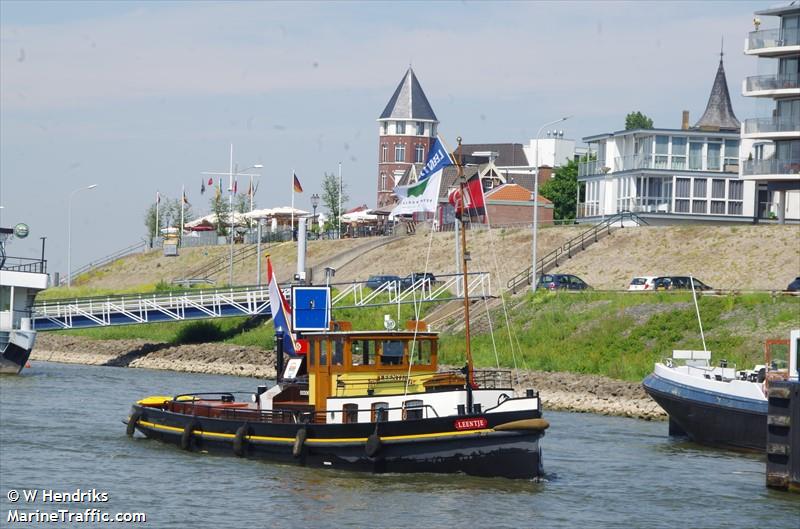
(412, 409)
(323, 352)
(423, 352)
(337, 356)
(363, 352)
(350, 413)
(392, 352)
(380, 412)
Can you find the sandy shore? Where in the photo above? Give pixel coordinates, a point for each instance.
(558, 391)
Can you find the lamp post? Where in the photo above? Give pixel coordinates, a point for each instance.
(69, 231)
(314, 204)
(536, 199)
(231, 174)
(340, 200)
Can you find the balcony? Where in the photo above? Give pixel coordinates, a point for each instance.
(592, 167)
(772, 42)
(771, 128)
(773, 84)
(786, 169)
(658, 161)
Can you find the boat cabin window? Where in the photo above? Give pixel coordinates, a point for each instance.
(323, 352)
(350, 413)
(5, 298)
(423, 352)
(391, 352)
(363, 352)
(412, 409)
(380, 412)
(312, 352)
(337, 356)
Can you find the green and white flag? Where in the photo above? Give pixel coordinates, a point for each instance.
(423, 195)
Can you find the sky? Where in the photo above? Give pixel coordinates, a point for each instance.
(140, 97)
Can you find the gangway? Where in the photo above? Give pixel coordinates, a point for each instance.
(197, 304)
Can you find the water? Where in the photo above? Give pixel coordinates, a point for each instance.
(61, 429)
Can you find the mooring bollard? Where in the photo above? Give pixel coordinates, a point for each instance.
(783, 435)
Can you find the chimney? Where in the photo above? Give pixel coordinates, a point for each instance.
(685, 120)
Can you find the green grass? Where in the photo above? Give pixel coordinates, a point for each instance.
(621, 335)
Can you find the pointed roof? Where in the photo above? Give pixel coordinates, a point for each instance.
(719, 112)
(408, 101)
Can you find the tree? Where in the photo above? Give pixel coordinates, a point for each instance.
(562, 191)
(637, 120)
(330, 196)
(219, 206)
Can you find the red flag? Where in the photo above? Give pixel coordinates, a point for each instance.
(297, 187)
(234, 186)
(474, 203)
(210, 181)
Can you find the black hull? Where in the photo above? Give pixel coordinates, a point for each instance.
(712, 425)
(426, 445)
(13, 359)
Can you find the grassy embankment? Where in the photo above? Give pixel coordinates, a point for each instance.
(621, 335)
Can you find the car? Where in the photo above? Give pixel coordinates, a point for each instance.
(642, 283)
(794, 286)
(377, 281)
(562, 282)
(419, 279)
(678, 283)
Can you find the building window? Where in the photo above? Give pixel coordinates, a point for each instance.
(662, 149)
(718, 188)
(682, 187)
(412, 409)
(420, 128)
(731, 155)
(385, 128)
(734, 208)
(713, 159)
(419, 154)
(698, 206)
(717, 207)
(699, 188)
(735, 190)
(400, 127)
(695, 156)
(350, 413)
(681, 206)
(380, 412)
(679, 153)
(383, 181)
(384, 152)
(391, 352)
(399, 152)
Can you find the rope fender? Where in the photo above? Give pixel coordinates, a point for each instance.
(240, 440)
(133, 420)
(188, 434)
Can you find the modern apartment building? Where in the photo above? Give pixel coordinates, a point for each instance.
(670, 176)
(771, 144)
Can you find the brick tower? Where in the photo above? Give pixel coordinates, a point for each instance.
(406, 130)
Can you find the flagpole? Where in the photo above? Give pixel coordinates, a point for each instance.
(230, 212)
(340, 200)
(158, 224)
(183, 200)
(291, 225)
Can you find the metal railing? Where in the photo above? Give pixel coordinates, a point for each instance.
(776, 81)
(757, 125)
(110, 258)
(573, 246)
(446, 287)
(773, 38)
(24, 264)
(772, 166)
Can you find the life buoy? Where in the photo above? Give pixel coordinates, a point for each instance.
(188, 433)
(299, 442)
(373, 445)
(132, 421)
(240, 440)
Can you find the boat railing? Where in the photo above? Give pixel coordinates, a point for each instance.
(482, 378)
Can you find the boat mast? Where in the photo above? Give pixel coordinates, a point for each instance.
(464, 259)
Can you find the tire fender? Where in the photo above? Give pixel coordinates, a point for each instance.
(240, 440)
(132, 422)
(299, 442)
(188, 434)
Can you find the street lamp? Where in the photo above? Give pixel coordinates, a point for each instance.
(314, 204)
(69, 232)
(536, 199)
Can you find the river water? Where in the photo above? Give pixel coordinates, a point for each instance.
(61, 430)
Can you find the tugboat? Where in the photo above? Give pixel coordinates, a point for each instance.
(20, 280)
(370, 401)
(720, 406)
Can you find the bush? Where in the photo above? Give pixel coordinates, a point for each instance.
(199, 332)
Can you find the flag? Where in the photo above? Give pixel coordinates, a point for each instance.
(281, 313)
(158, 197)
(250, 188)
(211, 181)
(424, 194)
(474, 201)
(235, 186)
(184, 199)
(297, 187)
(202, 186)
(219, 188)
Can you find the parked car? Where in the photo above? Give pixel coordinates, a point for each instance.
(794, 286)
(642, 283)
(423, 278)
(678, 283)
(562, 282)
(376, 282)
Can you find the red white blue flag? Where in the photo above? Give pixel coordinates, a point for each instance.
(281, 313)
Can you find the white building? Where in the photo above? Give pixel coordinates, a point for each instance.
(771, 145)
(669, 176)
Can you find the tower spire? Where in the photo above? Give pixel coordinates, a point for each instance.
(719, 111)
